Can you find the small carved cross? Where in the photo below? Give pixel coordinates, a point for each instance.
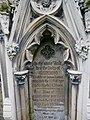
(47, 52)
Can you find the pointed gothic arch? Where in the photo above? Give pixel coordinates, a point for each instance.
(34, 33)
(60, 37)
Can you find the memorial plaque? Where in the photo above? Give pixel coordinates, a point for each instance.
(48, 83)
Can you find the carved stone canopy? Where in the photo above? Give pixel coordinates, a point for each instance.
(31, 44)
(45, 6)
(47, 51)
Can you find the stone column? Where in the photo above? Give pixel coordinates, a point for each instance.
(75, 78)
(4, 80)
(3, 65)
(1, 101)
(20, 79)
(11, 52)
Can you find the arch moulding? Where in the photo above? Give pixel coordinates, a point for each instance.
(33, 34)
(32, 39)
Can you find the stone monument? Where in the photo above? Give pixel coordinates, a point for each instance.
(49, 82)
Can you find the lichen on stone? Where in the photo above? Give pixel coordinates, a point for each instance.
(87, 4)
(4, 6)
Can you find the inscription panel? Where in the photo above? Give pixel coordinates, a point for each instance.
(48, 87)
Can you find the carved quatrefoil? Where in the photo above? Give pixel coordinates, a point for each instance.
(47, 52)
(45, 6)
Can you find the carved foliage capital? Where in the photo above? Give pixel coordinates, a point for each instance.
(82, 48)
(12, 50)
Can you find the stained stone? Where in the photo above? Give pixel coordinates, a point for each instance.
(48, 84)
(1, 104)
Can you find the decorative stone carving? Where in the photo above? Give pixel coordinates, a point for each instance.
(78, 7)
(87, 20)
(59, 42)
(4, 6)
(14, 2)
(4, 20)
(75, 77)
(30, 48)
(45, 6)
(47, 52)
(12, 50)
(46, 3)
(66, 52)
(82, 48)
(1, 34)
(14, 5)
(20, 77)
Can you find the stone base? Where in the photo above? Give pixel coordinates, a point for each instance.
(7, 109)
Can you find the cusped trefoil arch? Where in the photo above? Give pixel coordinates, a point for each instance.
(33, 40)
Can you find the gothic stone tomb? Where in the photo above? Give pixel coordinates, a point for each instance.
(50, 95)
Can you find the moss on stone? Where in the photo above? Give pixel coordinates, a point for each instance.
(87, 4)
(4, 7)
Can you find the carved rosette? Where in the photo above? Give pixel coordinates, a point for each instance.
(82, 48)
(45, 6)
(12, 50)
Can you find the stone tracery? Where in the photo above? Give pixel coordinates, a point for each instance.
(45, 6)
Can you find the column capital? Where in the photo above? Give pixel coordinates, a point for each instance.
(20, 77)
(75, 77)
(12, 50)
(82, 47)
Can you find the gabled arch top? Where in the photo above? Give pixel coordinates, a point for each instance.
(32, 27)
(38, 26)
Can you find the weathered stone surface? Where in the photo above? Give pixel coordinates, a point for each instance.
(45, 6)
(1, 103)
(87, 3)
(4, 6)
(48, 83)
